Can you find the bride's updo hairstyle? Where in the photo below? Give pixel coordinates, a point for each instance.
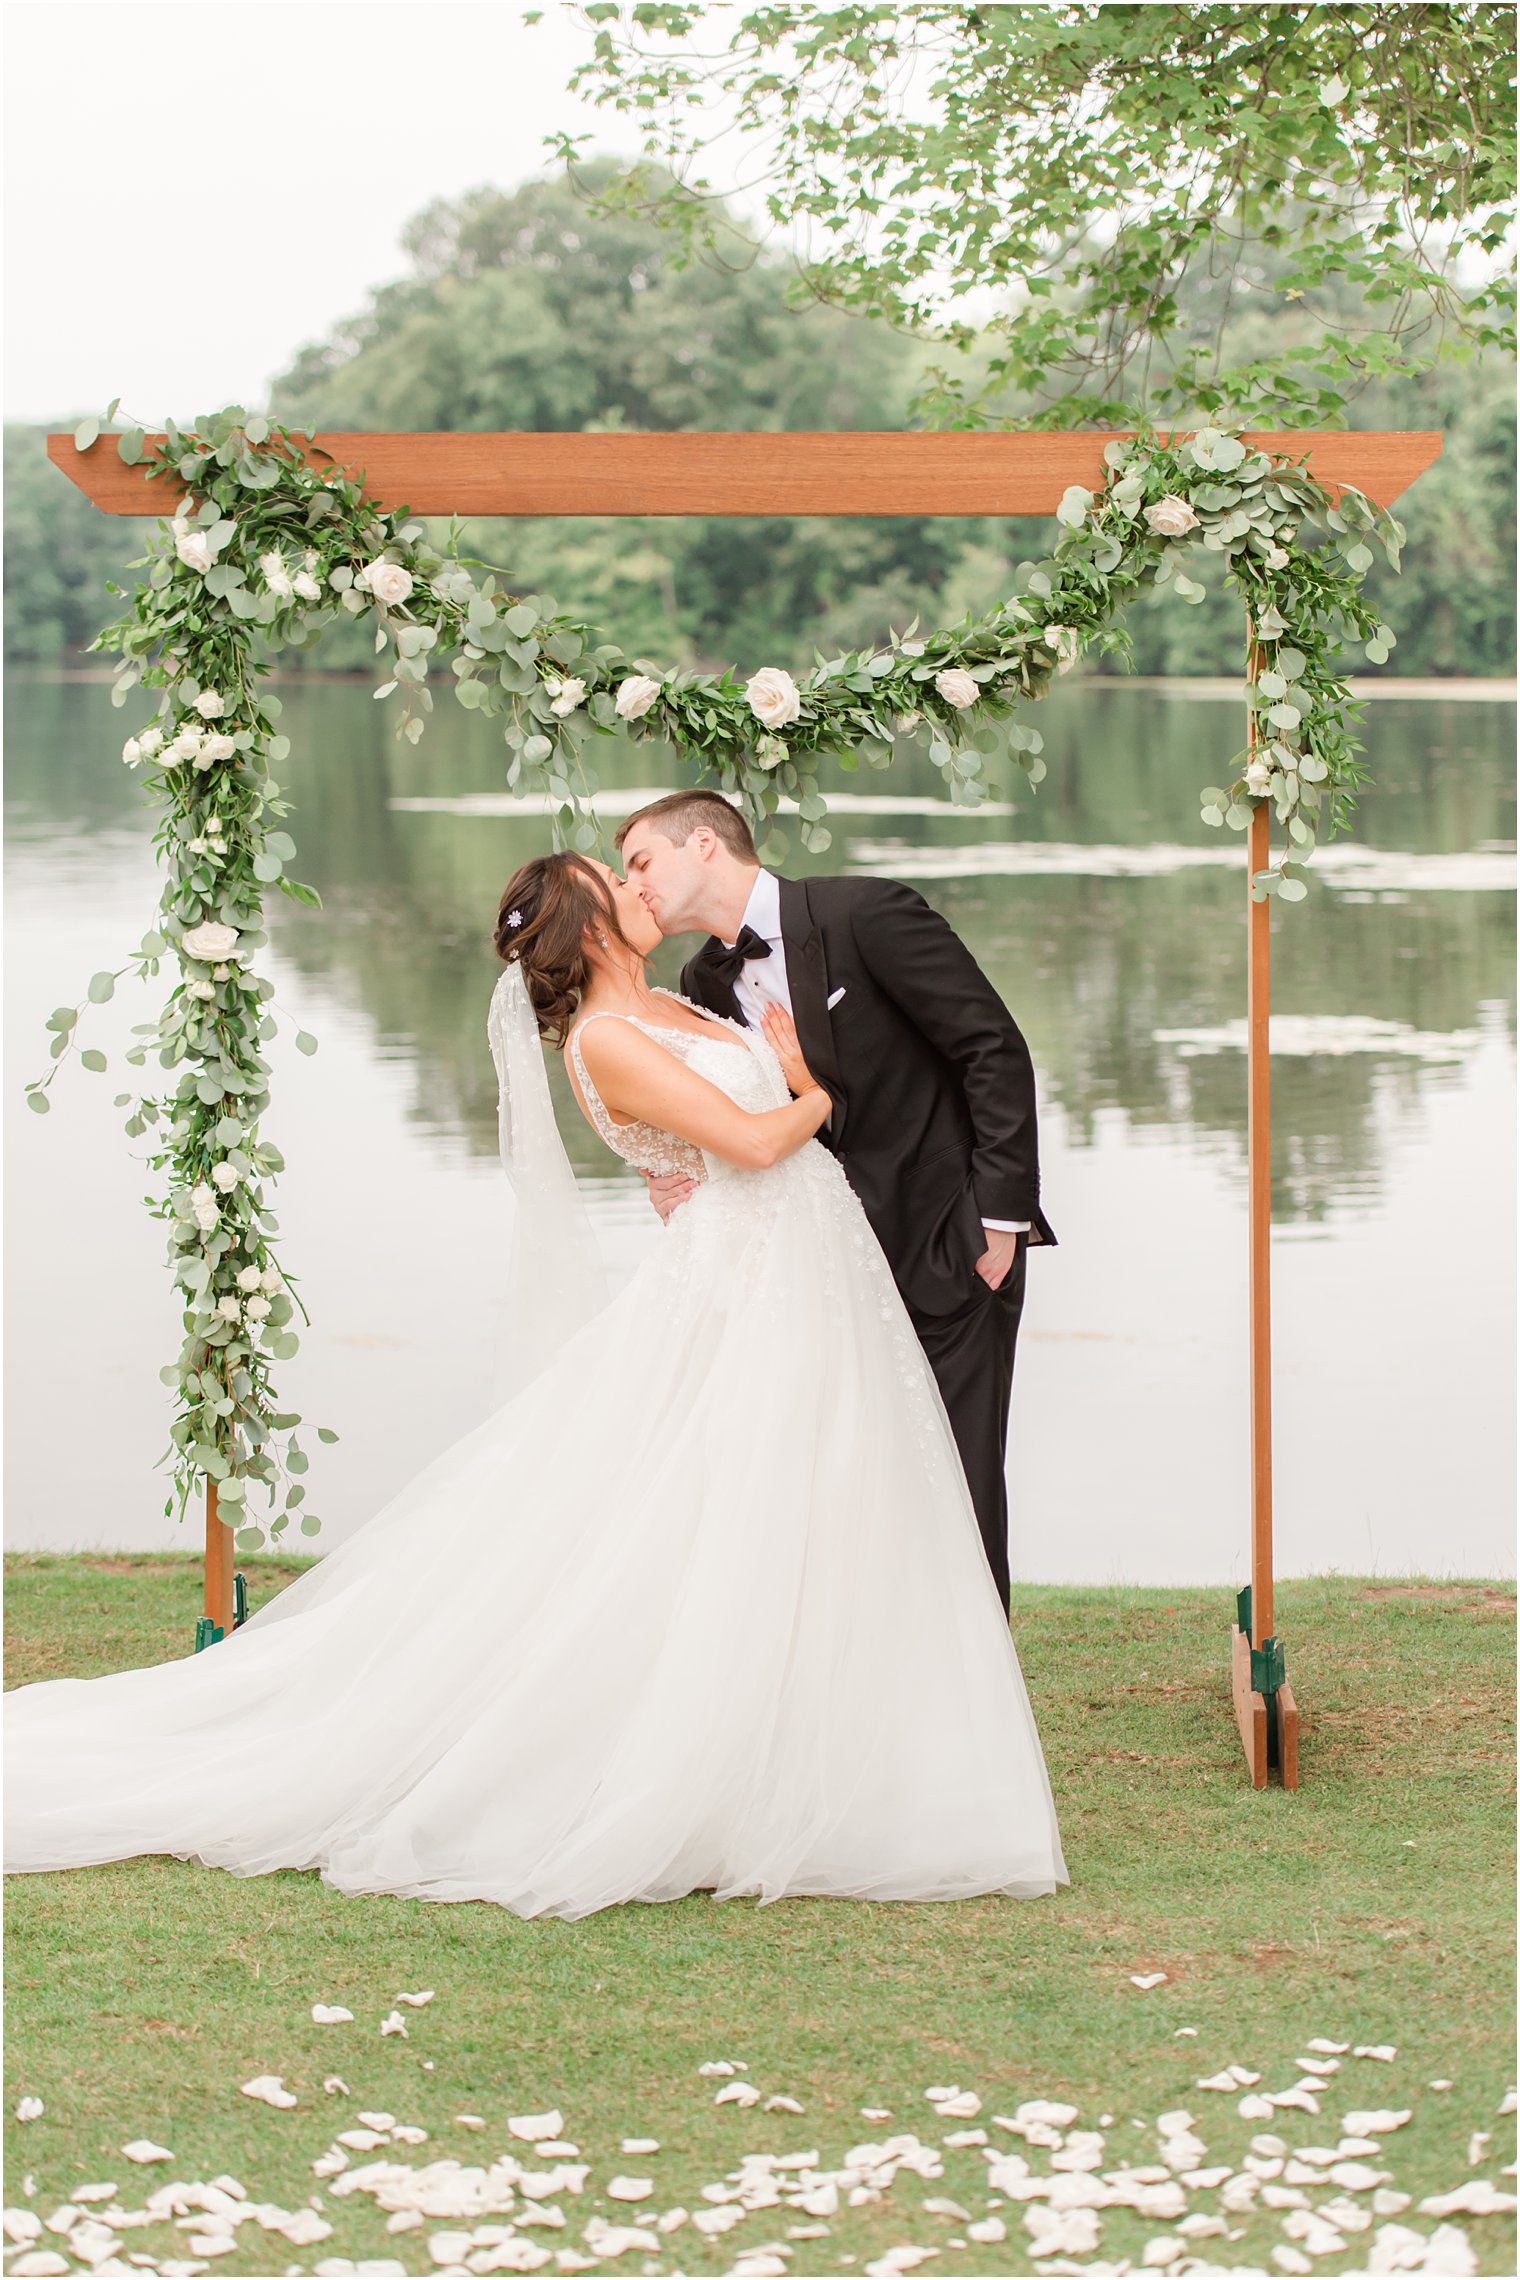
(545, 910)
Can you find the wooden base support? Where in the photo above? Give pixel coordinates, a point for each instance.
(1250, 1709)
(1285, 1710)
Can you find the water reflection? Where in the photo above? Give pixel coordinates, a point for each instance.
(1111, 923)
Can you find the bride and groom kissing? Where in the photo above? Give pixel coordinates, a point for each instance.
(717, 1600)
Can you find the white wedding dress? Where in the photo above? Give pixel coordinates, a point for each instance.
(703, 1606)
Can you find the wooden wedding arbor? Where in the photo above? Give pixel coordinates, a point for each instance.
(863, 473)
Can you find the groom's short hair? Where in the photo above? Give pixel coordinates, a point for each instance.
(679, 814)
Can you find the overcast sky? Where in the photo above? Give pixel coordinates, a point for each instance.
(194, 189)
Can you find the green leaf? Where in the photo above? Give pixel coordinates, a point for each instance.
(38, 1101)
(130, 446)
(85, 434)
(305, 1042)
(310, 1524)
(92, 1058)
(520, 619)
(248, 1539)
(102, 987)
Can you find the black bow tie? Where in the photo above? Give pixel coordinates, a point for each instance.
(726, 965)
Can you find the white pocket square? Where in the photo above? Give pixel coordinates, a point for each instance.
(833, 1001)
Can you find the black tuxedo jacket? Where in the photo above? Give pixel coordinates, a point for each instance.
(931, 1080)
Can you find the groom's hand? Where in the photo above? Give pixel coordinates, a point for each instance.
(668, 1190)
(995, 1261)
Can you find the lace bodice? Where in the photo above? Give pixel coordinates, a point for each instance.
(741, 1063)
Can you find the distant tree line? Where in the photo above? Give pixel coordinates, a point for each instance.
(521, 312)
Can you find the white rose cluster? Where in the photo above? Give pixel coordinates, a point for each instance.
(204, 1206)
(389, 582)
(146, 746)
(957, 688)
(564, 694)
(225, 1176)
(1170, 517)
(209, 940)
(636, 695)
(773, 697)
(770, 751)
(1259, 778)
(1065, 641)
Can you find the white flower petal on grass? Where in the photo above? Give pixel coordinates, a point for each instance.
(394, 2025)
(1146, 1980)
(325, 2014)
(737, 2094)
(1375, 2123)
(640, 2145)
(1288, 2259)
(1387, 2203)
(1357, 2148)
(876, 2113)
(1441, 2084)
(1318, 2065)
(1508, 2101)
(469, 2121)
(1298, 2096)
(1226, 2082)
(269, 2089)
(1178, 2031)
(377, 2121)
(1387, 2052)
(1160, 2252)
(557, 2149)
(40, 2263)
(780, 2105)
(417, 2002)
(335, 2086)
(959, 2139)
(363, 2141)
(532, 2127)
(407, 2133)
(1254, 2108)
(963, 2108)
(21, 2225)
(671, 2221)
(937, 2205)
(143, 2149)
(1476, 2198)
(1477, 2148)
(1327, 2049)
(30, 2109)
(629, 2188)
(330, 2164)
(987, 2229)
(716, 2066)
(903, 2259)
(604, 2239)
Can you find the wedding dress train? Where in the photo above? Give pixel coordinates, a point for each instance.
(703, 1606)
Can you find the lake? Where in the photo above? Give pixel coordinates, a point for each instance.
(1112, 923)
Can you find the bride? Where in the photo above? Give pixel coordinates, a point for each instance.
(702, 1606)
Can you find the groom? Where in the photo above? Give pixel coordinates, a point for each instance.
(934, 1109)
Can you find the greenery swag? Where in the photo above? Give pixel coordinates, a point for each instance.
(269, 544)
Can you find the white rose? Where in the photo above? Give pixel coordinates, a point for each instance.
(387, 581)
(225, 1176)
(205, 991)
(229, 1307)
(908, 721)
(1171, 517)
(276, 576)
(1277, 558)
(204, 1205)
(773, 696)
(131, 752)
(194, 549)
(256, 1309)
(957, 688)
(248, 1278)
(770, 751)
(214, 748)
(566, 695)
(209, 940)
(1063, 640)
(188, 742)
(150, 742)
(270, 1280)
(1259, 778)
(220, 973)
(209, 705)
(307, 587)
(636, 695)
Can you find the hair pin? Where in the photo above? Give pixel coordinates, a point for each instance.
(514, 918)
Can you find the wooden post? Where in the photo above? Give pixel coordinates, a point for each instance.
(218, 1564)
(1254, 1708)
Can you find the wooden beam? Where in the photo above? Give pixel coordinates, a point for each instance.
(1250, 1708)
(859, 473)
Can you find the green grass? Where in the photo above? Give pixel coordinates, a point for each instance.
(1373, 1905)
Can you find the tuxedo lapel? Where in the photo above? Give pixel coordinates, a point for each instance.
(807, 980)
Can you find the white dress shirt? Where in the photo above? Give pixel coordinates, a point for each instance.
(762, 982)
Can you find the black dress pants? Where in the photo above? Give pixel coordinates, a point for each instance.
(971, 1354)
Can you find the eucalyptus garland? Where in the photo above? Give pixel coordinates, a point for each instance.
(268, 544)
